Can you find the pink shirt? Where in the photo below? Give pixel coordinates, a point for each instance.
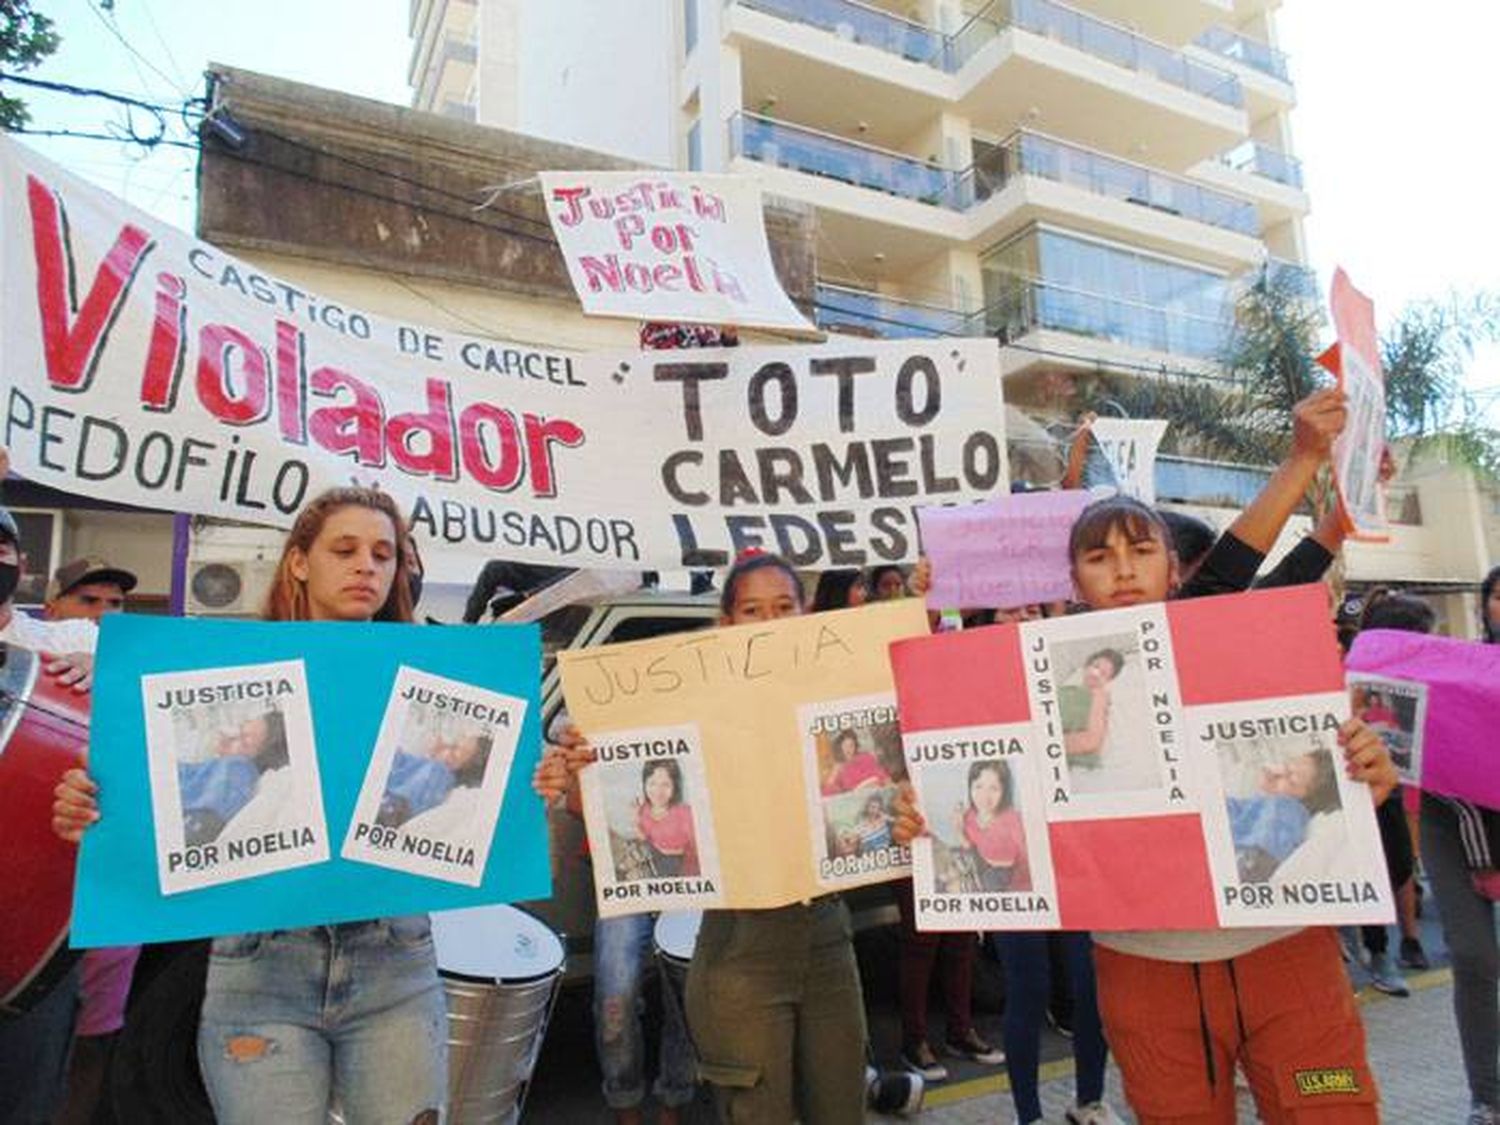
(104, 988)
(1001, 843)
(672, 834)
(862, 769)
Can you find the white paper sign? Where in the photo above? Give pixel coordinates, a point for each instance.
(436, 778)
(1397, 711)
(649, 821)
(1129, 447)
(675, 246)
(853, 763)
(234, 774)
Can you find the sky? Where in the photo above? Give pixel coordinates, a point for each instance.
(1394, 140)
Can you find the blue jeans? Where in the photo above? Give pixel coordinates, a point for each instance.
(621, 946)
(1028, 976)
(34, 1055)
(296, 1020)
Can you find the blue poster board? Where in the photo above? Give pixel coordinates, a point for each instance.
(350, 672)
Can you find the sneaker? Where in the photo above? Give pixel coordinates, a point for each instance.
(1095, 1113)
(1413, 956)
(921, 1060)
(896, 1092)
(1385, 978)
(1481, 1114)
(972, 1047)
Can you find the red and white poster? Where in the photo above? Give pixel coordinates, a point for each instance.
(1171, 766)
(678, 246)
(1355, 360)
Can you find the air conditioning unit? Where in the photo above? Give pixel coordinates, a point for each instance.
(228, 587)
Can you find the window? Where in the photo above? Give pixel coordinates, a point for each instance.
(689, 26)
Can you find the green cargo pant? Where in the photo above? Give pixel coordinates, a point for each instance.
(776, 1014)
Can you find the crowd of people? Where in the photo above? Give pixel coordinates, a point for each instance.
(773, 1018)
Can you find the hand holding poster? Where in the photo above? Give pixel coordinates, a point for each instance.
(749, 766)
(1456, 729)
(1002, 553)
(234, 751)
(1125, 770)
(148, 368)
(683, 246)
(1355, 359)
(1129, 449)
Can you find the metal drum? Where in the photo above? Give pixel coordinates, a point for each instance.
(676, 935)
(501, 968)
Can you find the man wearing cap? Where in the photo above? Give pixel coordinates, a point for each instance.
(72, 642)
(87, 588)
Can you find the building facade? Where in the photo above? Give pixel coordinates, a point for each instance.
(1090, 182)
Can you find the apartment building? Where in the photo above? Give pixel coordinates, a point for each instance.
(1088, 181)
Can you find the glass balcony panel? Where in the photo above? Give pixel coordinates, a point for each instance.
(875, 314)
(861, 23)
(1251, 52)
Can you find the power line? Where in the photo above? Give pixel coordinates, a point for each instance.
(93, 92)
(113, 28)
(76, 134)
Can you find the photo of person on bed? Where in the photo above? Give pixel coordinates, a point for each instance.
(1291, 814)
(214, 789)
(419, 783)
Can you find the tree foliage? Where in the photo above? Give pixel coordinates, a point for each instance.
(26, 38)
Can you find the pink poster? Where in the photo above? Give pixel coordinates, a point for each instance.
(1459, 749)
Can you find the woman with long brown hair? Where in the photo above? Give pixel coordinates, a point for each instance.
(296, 1020)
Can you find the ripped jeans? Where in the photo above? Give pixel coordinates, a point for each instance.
(621, 946)
(297, 1020)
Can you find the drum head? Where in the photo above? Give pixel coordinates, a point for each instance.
(495, 943)
(677, 933)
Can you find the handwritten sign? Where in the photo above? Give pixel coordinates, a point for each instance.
(1001, 553)
(1355, 360)
(1462, 688)
(1126, 770)
(1129, 449)
(783, 743)
(681, 246)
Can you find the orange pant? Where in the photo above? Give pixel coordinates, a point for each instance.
(1285, 1012)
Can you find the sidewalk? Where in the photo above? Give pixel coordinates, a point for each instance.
(1413, 1050)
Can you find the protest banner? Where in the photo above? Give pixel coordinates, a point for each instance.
(237, 750)
(1128, 447)
(751, 766)
(1001, 553)
(1355, 361)
(678, 246)
(1456, 729)
(1126, 770)
(147, 368)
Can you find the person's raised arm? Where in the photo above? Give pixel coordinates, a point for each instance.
(1316, 421)
(1078, 453)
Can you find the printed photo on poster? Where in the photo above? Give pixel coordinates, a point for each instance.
(234, 774)
(1397, 711)
(984, 860)
(1280, 838)
(649, 822)
(436, 778)
(852, 751)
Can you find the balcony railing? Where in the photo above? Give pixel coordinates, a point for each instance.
(862, 23)
(1263, 160)
(1031, 304)
(917, 42)
(1097, 37)
(1029, 154)
(1215, 484)
(1251, 52)
(875, 314)
(775, 142)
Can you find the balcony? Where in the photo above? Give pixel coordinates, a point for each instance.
(863, 313)
(1099, 38)
(1030, 154)
(1030, 304)
(1245, 51)
(861, 23)
(1263, 160)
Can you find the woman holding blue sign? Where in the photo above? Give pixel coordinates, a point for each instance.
(296, 1020)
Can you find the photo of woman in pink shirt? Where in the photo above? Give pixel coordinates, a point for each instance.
(665, 821)
(990, 827)
(854, 767)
